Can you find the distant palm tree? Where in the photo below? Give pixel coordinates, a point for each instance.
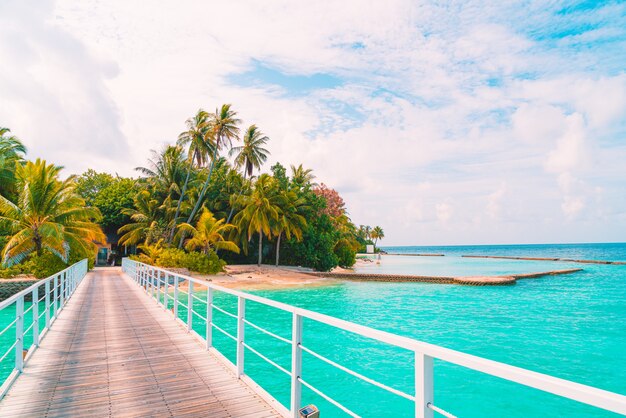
(11, 151)
(261, 211)
(224, 128)
(367, 231)
(250, 155)
(301, 176)
(290, 220)
(145, 226)
(208, 234)
(48, 215)
(201, 144)
(166, 172)
(376, 234)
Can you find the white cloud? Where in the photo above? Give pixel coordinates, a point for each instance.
(444, 212)
(572, 152)
(504, 131)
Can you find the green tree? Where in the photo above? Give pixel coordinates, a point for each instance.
(261, 210)
(111, 195)
(146, 221)
(209, 234)
(376, 234)
(200, 145)
(290, 220)
(48, 215)
(224, 128)
(165, 175)
(90, 183)
(249, 156)
(302, 177)
(113, 201)
(11, 152)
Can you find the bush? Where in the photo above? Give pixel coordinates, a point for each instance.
(346, 256)
(194, 261)
(41, 266)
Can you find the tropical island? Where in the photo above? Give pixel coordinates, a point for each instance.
(199, 203)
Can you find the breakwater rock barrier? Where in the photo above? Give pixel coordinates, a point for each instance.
(569, 260)
(465, 280)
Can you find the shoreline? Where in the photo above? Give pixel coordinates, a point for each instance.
(267, 277)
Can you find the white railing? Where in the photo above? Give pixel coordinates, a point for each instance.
(156, 282)
(48, 297)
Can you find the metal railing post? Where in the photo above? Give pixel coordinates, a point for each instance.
(19, 334)
(68, 283)
(35, 296)
(166, 290)
(189, 305)
(56, 294)
(423, 385)
(158, 286)
(175, 296)
(47, 303)
(296, 364)
(209, 318)
(148, 281)
(241, 315)
(63, 279)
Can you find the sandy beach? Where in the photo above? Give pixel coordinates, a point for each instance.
(265, 277)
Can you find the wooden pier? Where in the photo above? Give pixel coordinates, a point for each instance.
(114, 352)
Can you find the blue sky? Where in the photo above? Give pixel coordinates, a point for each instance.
(466, 122)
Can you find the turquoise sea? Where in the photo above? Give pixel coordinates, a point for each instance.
(571, 326)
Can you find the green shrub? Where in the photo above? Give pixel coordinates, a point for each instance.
(194, 261)
(41, 266)
(346, 256)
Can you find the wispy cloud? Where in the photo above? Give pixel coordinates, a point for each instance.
(467, 122)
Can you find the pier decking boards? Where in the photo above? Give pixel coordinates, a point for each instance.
(114, 352)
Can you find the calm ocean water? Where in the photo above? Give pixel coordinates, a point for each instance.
(573, 327)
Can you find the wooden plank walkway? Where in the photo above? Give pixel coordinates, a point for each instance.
(113, 352)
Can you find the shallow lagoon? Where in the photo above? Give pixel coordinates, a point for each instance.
(571, 326)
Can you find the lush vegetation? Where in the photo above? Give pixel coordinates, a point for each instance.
(368, 235)
(198, 203)
(205, 193)
(44, 223)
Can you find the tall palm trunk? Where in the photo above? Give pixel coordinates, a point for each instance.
(260, 247)
(180, 201)
(38, 243)
(202, 192)
(278, 248)
(232, 209)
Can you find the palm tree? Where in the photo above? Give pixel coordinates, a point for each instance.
(261, 211)
(48, 215)
(208, 234)
(290, 220)
(198, 138)
(250, 155)
(301, 176)
(165, 173)
(376, 234)
(145, 226)
(224, 128)
(367, 232)
(11, 152)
